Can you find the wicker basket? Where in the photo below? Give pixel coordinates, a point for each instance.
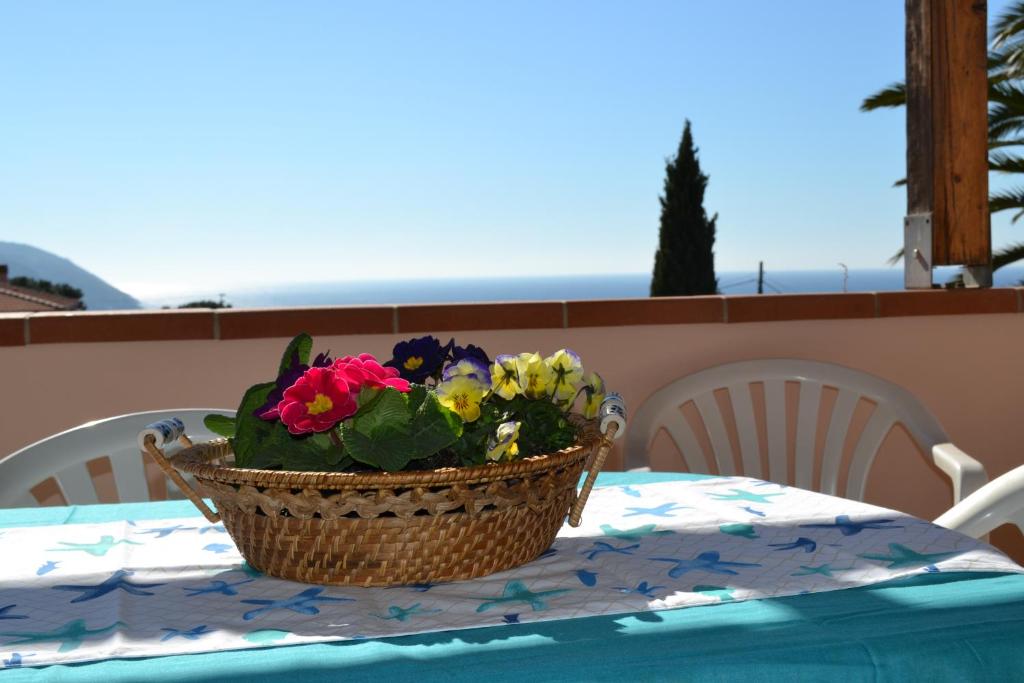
(386, 529)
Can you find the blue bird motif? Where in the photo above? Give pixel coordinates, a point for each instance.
(218, 547)
(516, 591)
(70, 635)
(664, 510)
(807, 544)
(162, 532)
(97, 549)
(824, 570)
(217, 586)
(418, 587)
(586, 578)
(303, 603)
(642, 588)
(116, 581)
(600, 548)
(847, 527)
(634, 534)
(901, 556)
(707, 562)
(752, 511)
(745, 496)
(630, 491)
(16, 660)
(191, 634)
(510, 618)
(46, 568)
(403, 613)
(4, 613)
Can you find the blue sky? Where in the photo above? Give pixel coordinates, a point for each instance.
(176, 145)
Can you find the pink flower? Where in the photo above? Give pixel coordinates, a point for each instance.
(317, 401)
(365, 371)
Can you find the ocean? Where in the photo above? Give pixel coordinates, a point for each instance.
(557, 288)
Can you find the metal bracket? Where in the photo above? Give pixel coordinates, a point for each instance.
(977, 276)
(917, 251)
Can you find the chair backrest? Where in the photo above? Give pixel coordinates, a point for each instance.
(893, 404)
(77, 459)
(1001, 501)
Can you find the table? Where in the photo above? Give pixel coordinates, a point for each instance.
(946, 627)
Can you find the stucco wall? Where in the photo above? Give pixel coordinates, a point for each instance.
(967, 369)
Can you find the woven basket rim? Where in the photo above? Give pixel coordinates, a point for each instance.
(195, 460)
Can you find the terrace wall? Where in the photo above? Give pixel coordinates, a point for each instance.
(960, 352)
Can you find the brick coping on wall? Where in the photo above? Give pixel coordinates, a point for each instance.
(19, 329)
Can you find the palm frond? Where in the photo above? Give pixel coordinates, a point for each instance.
(893, 96)
(1005, 163)
(1008, 200)
(1006, 110)
(1009, 26)
(1004, 256)
(1009, 142)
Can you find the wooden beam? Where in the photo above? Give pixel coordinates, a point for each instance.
(947, 126)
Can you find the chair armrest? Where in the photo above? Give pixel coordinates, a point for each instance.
(993, 505)
(967, 474)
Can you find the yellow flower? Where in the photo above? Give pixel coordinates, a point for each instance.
(567, 372)
(595, 395)
(503, 443)
(535, 377)
(505, 376)
(462, 394)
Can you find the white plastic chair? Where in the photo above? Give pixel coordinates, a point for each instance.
(893, 405)
(65, 457)
(998, 502)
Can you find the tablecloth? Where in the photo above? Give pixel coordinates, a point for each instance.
(946, 627)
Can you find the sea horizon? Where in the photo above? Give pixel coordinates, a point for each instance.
(556, 287)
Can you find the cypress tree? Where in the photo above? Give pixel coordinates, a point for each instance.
(685, 262)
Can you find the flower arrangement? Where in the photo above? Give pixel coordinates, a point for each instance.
(431, 405)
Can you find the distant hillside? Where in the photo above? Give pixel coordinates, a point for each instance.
(29, 261)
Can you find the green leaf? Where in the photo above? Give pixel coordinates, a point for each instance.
(333, 453)
(301, 345)
(367, 400)
(417, 393)
(303, 455)
(388, 448)
(282, 449)
(250, 430)
(391, 409)
(433, 427)
(220, 424)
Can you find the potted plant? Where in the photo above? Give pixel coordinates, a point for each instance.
(438, 464)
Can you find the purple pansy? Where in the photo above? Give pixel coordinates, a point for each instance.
(420, 358)
(468, 366)
(470, 351)
(296, 369)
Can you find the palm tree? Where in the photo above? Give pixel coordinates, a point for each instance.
(1005, 119)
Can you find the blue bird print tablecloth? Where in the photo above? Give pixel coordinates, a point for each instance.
(86, 592)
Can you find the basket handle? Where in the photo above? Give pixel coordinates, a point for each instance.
(158, 435)
(612, 423)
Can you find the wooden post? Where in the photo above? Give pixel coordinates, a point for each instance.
(947, 137)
